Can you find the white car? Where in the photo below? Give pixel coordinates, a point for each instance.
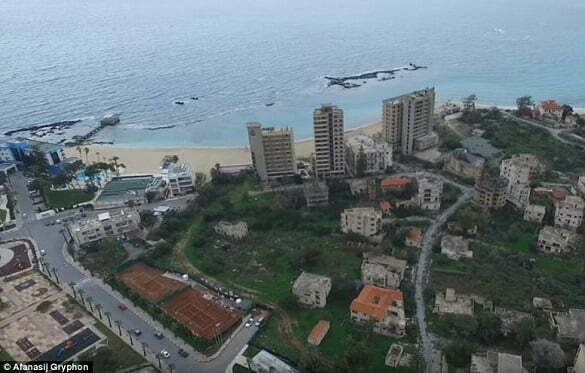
(165, 354)
(248, 324)
(43, 252)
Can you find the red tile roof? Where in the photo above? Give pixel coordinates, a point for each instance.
(414, 233)
(396, 182)
(318, 333)
(375, 301)
(550, 105)
(385, 205)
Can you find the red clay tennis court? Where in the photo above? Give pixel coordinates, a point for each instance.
(201, 312)
(149, 282)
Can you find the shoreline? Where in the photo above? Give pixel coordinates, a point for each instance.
(146, 159)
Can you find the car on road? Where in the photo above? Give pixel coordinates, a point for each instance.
(165, 354)
(158, 335)
(43, 252)
(248, 324)
(183, 353)
(122, 307)
(259, 321)
(137, 332)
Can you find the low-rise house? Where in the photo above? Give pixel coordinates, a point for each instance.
(426, 142)
(414, 237)
(429, 193)
(459, 230)
(569, 212)
(579, 364)
(265, 362)
(491, 191)
(318, 333)
(553, 240)
(179, 178)
(365, 221)
(316, 193)
(382, 270)
(550, 107)
(385, 207)
(383, 307)
(312, 290)
(448, 302)
(105, 225)
(455, 247)
(496, 362)
(377, 156)
(396, 183)
(570, 326)
(462, 163)
(534, 213)
(542, 303)
(237, 230)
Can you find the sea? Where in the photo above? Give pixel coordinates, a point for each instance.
(236, 61)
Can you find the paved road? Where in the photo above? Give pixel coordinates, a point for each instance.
(49, 238)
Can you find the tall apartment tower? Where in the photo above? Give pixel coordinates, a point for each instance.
(329, 141)
(273, 151)
(407, 118)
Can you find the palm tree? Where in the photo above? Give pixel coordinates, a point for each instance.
(86, 150)
(78, 147)
(97, 156)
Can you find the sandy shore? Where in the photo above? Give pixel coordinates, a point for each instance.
(201, 159)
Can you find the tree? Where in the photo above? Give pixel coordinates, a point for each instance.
(547, 356)
(86, 150)
(361, 163)
(525, 105)
(489, 329)
(524, 331)
(567, 110)
(464, 326)
(459, 353)
(200, 179)
(147, 218)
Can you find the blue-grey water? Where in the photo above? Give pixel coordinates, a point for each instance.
(67, 59)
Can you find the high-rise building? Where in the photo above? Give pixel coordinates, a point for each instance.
(273, 151)
(329, 141)
(407, 118)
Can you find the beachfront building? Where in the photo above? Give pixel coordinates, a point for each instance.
(490, 192)
(534, 213)
(554, 240)
(496, 362)
(329, 141)
(131, 190)
(273, 151)
(462, 163)
(407, 118)
(179, 178)
(104, 225)
(19, 150)
(365, 221)
(367, 156)
(6, 155)
(312, 290)
(382, 270)
(569, 212)
(520, 170)
(429, 193)
(383, 307)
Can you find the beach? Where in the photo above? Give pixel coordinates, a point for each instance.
(201, 159)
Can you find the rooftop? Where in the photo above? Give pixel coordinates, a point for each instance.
(375, 301)
(414, 233)
(463, 155)
(396, 182)
(571, 324)
(550, 105)
(480, 146)
(311, 282)
(318, 333)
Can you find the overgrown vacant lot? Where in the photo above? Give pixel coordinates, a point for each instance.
(67, 198)
(508, 270)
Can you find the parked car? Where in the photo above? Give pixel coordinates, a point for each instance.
(137, 332)
(183, 353)
(259, 321)
(165, 354)
(122, 307)
(248, 324)
(158, 335)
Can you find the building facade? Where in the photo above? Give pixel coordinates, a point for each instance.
(376, 156)
(462, 163)
(365, 221)
(534, 213)
(329, 141)
(382, 270)
(179, 178)
(496, 362)
(104, 225)
(520, 170)
(407, 118)
(429, 194)
(569, 212)
(383, 307)
(553, 240)
(316, 193)
(272, 151)
(490, 192)
(312, 290)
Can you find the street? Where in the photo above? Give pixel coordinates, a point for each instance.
(50, 239)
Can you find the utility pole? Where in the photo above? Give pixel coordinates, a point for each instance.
(109, 315)
(118, 324)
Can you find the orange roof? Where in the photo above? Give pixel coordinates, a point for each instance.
(414, 233)
(375, 301)
(318, 333)
(385, 205)
(396, 182)
(550, 105)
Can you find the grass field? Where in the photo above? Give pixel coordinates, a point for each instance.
(67, 198)
(5, 356)
(123, 353)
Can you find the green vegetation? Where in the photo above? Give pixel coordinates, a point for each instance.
(67, 198)
(103, 257)
(2, 216)
(115, 356)
(240, 369)
(4, 355)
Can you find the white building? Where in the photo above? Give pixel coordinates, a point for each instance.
(520, 171)
(104, 225)
(569, 212)
(6, 154)
(312, 290)
(455, 247)
(534, 213)
(365, 221)
(378, 156)
(179, 178)
(383, 271)
(553, 240)
(429, 193)
(265, 362)
(496, 362)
